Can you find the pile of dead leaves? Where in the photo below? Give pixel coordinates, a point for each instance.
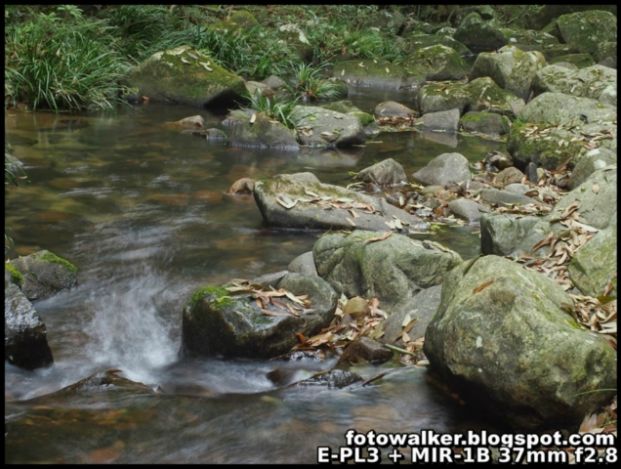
(356, 318)
(271, 302)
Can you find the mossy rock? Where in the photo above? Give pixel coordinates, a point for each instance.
(290, 200)
(216, 322)
(347, 107)
(480, 34)
(419, 40)
(43, 273)
(488, 123)
(511, 68)
(435, 97)
(580, 60)
(560, 108)
(586, 30)
(594, 265)
(249, 129)
(186, 76)
(437, 62)
(15, 275)
(588, 82)
(320, 127)
(369, 73)
(503, 336)
(530, 40)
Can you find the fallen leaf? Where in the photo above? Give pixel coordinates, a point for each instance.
(483, 286)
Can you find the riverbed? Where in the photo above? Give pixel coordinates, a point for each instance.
(142, 210)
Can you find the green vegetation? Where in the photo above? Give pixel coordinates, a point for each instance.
(279, 109)
(220, 297)
(16, 275)
(54, 259)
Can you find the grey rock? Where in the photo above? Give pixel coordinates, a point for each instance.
(393, 109)
(25, 336)
(498, 197)
(480, 34)
(590, 162)
(558, 108)
(387, 172)
(488, 123)
(445, 169)
(320, 127)
(303, 264)
(218, 323)
(363, 350)
(508, 176)
(447, 121)
(594, 265)
(248, 129)
(421, 307)
(44, 273)
(312, 204)
(467, 209)
(484, 334)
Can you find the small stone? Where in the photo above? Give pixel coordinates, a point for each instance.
(364, 350)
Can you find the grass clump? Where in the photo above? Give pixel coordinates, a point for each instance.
(61, 59)
(274, 108)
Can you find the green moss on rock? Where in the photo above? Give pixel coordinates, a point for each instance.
(54, 259)
(219, 296)
(16, 275)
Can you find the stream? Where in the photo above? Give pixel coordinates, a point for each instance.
(142, 211)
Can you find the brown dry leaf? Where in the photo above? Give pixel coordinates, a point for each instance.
(382, 237)
(483, 286)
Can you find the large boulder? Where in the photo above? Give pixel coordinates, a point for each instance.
(444, 169)
(557, 108)
(249, 129)
(586, 30)
(25, 336)
(507, 234)
(320, 127)
(590, 162)
(480, 34)
(186, 76)
(301, 201)
(347, 107)
(594, 265)
(391, 268)
(502, 333)
(481, 94)
(442, 121)
(418, 40)
(435, 63)
(511, 68)
(43, 273)
(588, 82)
(217, 322)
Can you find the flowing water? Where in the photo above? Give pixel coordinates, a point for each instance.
(141, 211)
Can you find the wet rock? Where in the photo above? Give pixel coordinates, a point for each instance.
(393, 109)
(44, 273)
(215, 135)
(558, 108)
(301, 201)
(332, 379)
(436, 63)
(586, 30)
(467, 209)
(488, 123)
(242, 186)
(108, 381)
(303, 264)
(511, 69)
(249, 129)
(447, 121)
(486, 330)
(364, 350)
(392, 269)
(444, 169)
(192, 122)
(590, 162)
(367, 73)
(500, 197)
(480, 34)
(216, 322)
(387, 172)
(589, 82)
(421, 309)
(508, 176)
(594, 265)
(320, 127)
(186, 76)
(25, 336)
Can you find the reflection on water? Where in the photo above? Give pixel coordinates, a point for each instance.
(142, 211)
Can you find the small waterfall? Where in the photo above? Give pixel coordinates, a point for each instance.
(127, 329)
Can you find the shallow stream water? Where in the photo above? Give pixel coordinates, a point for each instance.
(142, 211)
